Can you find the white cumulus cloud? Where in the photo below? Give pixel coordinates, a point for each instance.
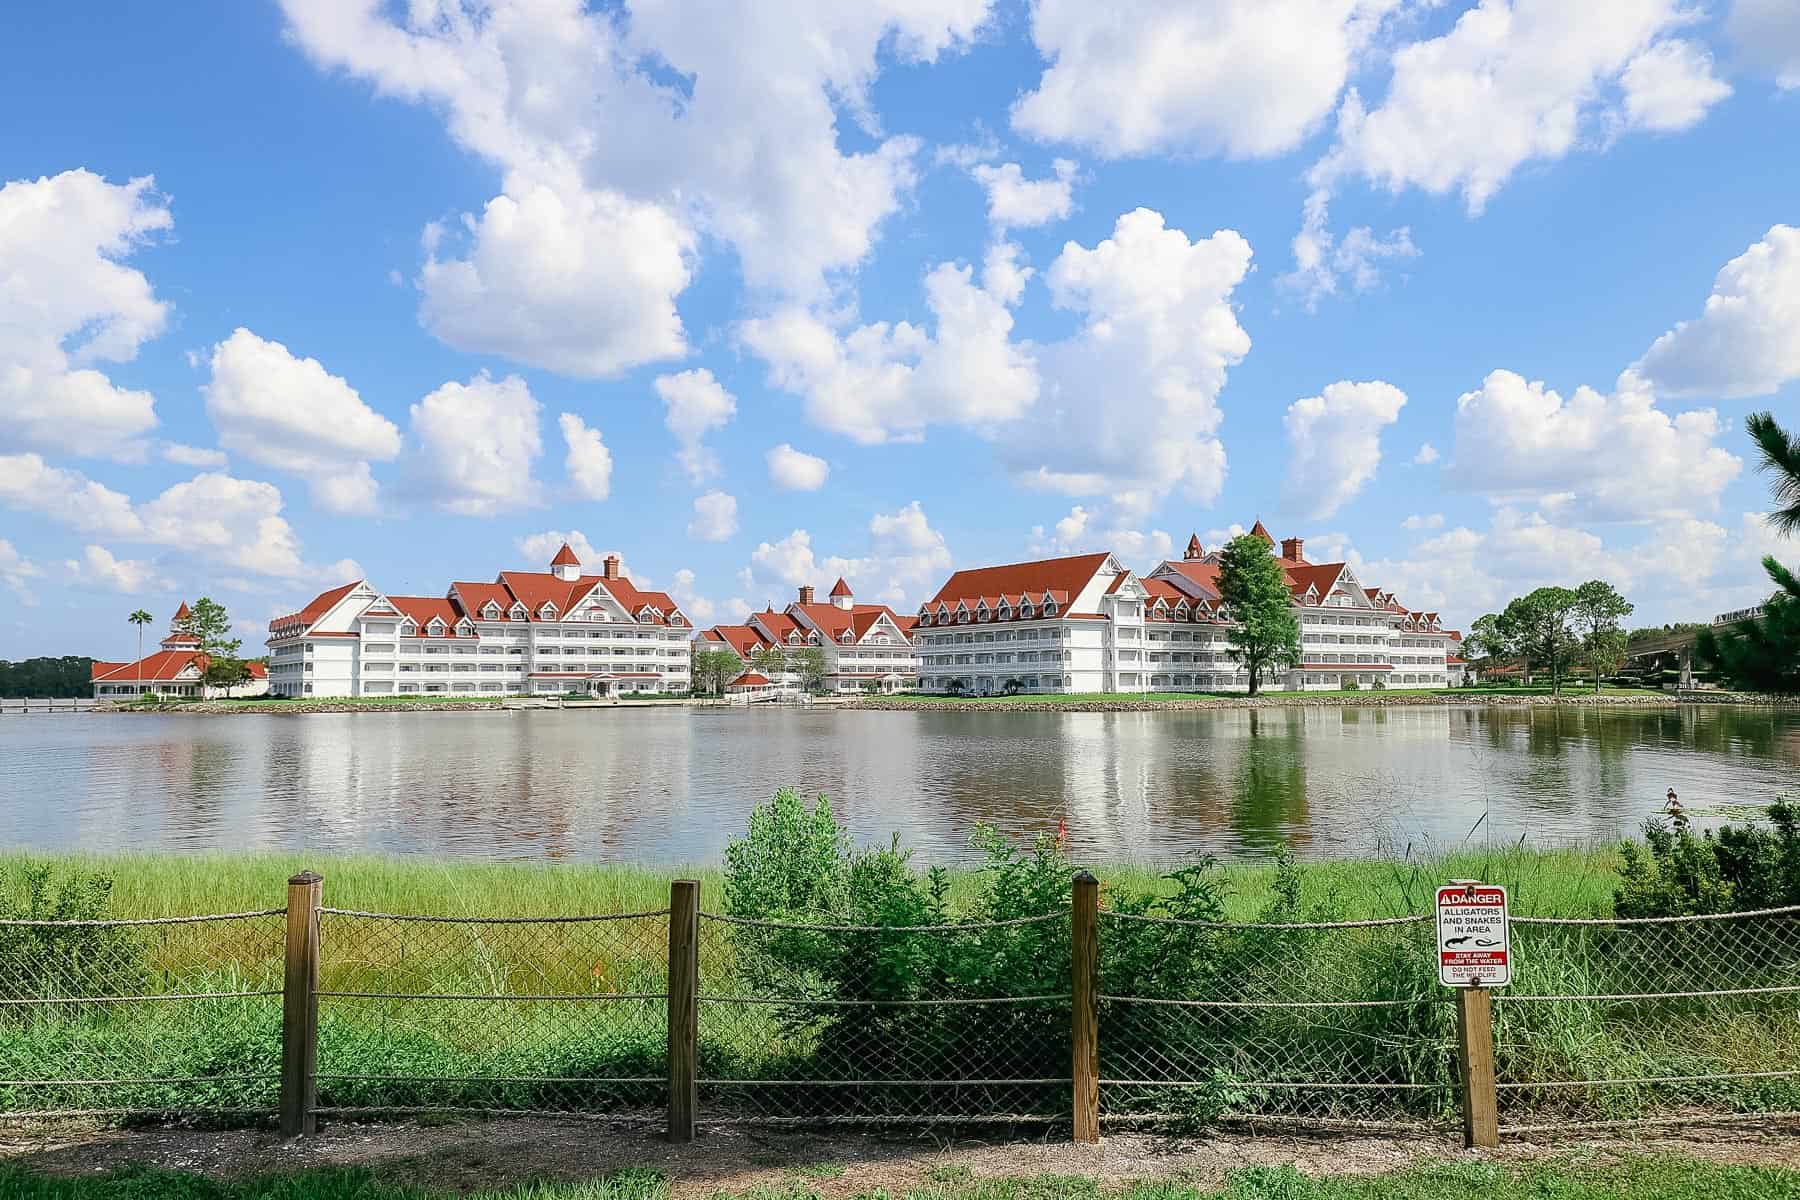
(67, 301)
(16, 570)
(588, 463)
(715, 517)
(1767, 36)
(474, 445)
(30, 484)
(1015, 202)
(291, 413)
(1612, 456)
(98, 567)
(695, 404)
(795, 470)
(1746, 341)
(1335, 439)
(1426, 455)
(1242, 78)
(905, 559)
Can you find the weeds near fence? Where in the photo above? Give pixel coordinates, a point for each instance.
(838, 983)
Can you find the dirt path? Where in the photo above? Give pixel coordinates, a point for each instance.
(484, 1154)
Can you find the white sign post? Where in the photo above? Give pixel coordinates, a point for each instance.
(1474, 943)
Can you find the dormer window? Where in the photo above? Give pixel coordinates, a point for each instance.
(548, 612)
(519, 612)
(435, 629)
(1050, 608)
(490, 611)
(408, 628)
(464, 628)
(1025, 610)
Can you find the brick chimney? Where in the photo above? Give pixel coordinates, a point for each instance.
(1291, 548)
(806, 593)
(611, 569)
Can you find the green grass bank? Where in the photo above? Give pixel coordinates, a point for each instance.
(1562, 883)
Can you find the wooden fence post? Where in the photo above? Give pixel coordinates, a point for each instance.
(300, 1007)
(684, 1007)
(1475, 1052)
(1084, 981)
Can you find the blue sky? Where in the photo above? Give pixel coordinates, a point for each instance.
(290, 293)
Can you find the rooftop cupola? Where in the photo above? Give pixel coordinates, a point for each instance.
(1195, 550)
(841, 595)
(565, 566)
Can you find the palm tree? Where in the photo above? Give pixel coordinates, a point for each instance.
(140, 618)
(1780, 459)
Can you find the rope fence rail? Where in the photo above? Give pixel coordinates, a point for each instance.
(1082, 1017)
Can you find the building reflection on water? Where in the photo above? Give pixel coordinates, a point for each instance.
(669, 786)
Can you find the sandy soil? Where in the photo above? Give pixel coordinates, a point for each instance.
(480, 1154)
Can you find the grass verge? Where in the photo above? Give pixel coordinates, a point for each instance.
(1663, 1177)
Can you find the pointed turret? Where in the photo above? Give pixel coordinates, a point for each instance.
(181, 614)
(1257, 530)
(565, 565)
(841, 595)
(1195, 550)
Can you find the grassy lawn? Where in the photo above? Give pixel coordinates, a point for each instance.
(1663, 1177)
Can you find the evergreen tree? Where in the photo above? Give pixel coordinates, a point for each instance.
(1539, 625)
(1598, 610)
(1265, 635)
(1764, 655)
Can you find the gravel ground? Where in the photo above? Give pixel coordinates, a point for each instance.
(467, 1155)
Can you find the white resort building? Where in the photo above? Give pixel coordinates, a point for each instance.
(865, 646)
(1087, 624)
(178, 668)
(527, 632)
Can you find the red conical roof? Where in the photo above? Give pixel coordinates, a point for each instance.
(182, 613)
(1194, 549)
(841, 588)
(565, 558)
(1262, 533)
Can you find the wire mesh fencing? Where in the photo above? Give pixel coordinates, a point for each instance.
(1645, 1021)
(537, 1014)
(1321, 1024)
(868, 1024)
(179, 1015)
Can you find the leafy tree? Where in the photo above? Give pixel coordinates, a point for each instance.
(57, 678)
(140, 618)
(208, 621)
(809, 664)
(1598, 610)
(1764, 655)
(1540, 627)
(1489, 639)
(771, 661)
(1650, 633)
(1265, 635)
(713, 669)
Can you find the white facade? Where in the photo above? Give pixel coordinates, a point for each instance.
(1086, 624)
(1060, 625)
(865, 646)
(527, 633)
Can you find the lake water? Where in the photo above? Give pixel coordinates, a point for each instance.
(673, 785)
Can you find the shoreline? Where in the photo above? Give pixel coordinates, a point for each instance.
(1030, 704)
(1304, 700)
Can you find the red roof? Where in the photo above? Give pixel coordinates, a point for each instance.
(1202, 574)
(1322, 576)
(841, 588)
(832, 621)
(565, 557)
(778, 625)
(422, 609)
(317, 607)
(182, 613)
(742, 639)
(1067, 575)
(1257, 530)
(473, 597)
(750, 679)
(635, 600)
(98, 669)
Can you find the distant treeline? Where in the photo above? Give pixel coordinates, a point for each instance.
(55, 677)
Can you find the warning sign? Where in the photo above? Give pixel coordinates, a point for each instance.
(1474, 949)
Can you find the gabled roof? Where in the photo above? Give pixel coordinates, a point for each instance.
(165, 666)
(634, 600)
(742, 639)
(750, 679)
(565, 557)
(841, 588)
(1322, 577)
(776, 625)
(1201, 574)
(1257, 530)
(1066, 575)
(477, 596)
(424, 609)
(536, 588)
(317, 607)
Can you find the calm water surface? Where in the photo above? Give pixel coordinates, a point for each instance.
(672, 785)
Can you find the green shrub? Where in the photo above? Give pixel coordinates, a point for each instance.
(1350, 685)
(80, 960)
(1675, 873)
